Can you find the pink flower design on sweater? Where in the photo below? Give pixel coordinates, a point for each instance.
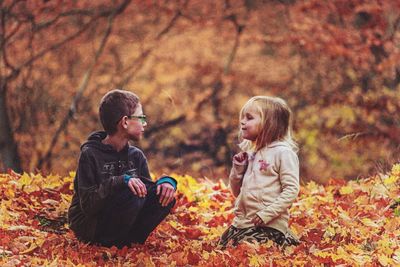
(263, 165)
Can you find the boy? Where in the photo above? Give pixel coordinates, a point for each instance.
(115, 202)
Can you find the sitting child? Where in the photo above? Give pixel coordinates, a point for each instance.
(115, 202)
(265, 175)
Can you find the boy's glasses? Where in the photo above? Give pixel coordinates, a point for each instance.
(141, 118)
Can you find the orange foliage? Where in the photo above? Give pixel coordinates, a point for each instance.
(342, 223)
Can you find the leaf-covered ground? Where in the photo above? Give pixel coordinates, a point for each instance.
(342, 223)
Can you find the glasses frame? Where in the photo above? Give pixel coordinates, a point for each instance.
(141, 118)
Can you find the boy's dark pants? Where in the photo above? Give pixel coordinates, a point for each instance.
(128, 218)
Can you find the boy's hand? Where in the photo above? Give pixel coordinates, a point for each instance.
(240, 158)
(257, 220)
(167, 193)
(137, 187)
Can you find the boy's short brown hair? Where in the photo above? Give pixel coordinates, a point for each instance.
(114, 105)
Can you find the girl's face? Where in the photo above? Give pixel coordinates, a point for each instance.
(250, 124)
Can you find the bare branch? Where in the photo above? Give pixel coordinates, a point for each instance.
(56, 45)
(108, 12)
(165, 125)
(169, 26)
(139, 62)
(4, 39)
(44, 24)
(73, 107)
(239, 29)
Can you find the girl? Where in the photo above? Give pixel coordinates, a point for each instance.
(265, 175)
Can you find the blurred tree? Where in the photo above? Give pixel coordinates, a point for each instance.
(23, 26)
(194, 64)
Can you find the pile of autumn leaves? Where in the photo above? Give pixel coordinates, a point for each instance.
(350, 223)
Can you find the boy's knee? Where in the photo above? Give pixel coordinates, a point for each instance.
(169, 206)
(135, 202)
(172, 204)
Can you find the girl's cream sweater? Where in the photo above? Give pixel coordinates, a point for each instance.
(266, 186)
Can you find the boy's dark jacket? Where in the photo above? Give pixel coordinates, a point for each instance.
(100, 176)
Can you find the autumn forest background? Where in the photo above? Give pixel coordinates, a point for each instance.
(194, 64)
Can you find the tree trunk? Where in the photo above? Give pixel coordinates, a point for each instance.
(8, 147)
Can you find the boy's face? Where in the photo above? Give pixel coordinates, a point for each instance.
(135, 125)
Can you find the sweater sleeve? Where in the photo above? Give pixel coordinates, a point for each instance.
(143, 167)
(236, 177)
(168, 179)
(92, 195)
(289, 178)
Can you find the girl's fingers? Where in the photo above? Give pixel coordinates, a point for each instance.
(257, 220)
(240, 157)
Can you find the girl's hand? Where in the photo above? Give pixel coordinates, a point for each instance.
(240, 158)
(257, 220)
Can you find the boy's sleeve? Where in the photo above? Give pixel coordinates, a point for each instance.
(143, 167)
(92, 196)
(289, 177)
(168, 179)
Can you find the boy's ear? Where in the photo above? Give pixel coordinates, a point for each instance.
(123, 123)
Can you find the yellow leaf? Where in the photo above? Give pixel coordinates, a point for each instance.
(322, 254)
(390, 180)
(340, 254)
(9, 193)
(396, 256)
(396, 169)
(25, 180)
(384, 260)
(369, 222)
(361, 260)
(385, 246)
(34, 245)
(330, 231)
(346, 190)
(205, 255)
(352, 248)
(256, 261)
(193, 209)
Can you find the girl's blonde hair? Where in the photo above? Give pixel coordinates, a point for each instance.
(276, 123)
